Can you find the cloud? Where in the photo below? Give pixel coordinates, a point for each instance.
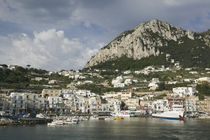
(110, 14)
(47, 49)
(86, 23)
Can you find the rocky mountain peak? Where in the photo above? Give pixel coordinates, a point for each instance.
(143, 41)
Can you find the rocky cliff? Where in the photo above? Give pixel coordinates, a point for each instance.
(149, 39)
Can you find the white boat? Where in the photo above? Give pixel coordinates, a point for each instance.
(56, 122)
(93, 118)
(176, 113)
(172, 115)
(67, 121)
(124, 114)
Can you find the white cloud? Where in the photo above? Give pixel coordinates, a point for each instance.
(88, 22)
(47, 49)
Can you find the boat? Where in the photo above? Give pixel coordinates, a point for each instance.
(176, 113)
(58, 122)
(123, 114)
(75, 121)
(118, 118)
(172, 115)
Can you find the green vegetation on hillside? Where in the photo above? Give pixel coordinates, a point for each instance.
(98, 89)
(13, 76)
(190, 53)
(23, 78)
(163, 86)
(203, 90)
(125, 63)
(159, 97)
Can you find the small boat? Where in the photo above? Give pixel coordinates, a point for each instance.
(67, 121)
(118, 118)
(123, 114)
(56, 122)
(75, 121)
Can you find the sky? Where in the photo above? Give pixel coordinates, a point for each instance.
(64, 34)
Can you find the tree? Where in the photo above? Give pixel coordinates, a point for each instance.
(123, 106)
(161, 86)
(203, 89)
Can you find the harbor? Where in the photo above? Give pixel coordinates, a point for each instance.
(132, 128)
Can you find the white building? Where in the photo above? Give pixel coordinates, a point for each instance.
(127, 72)
(118, 95)
(202, 79)
(18, 100)
(183, 91)
(132, 103)
(128, 82)
(153, 85)
(159, 105)
(27, 101)
(118, 82)
(85, 93)
(55, 102)
(52, 82)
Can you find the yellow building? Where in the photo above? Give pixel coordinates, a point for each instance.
(204, 106)
(50, 92)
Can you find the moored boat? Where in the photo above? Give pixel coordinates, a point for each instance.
(172, 115)
(176, 113)
(67, 121)
(118, 118)
(123, 114)
(56, 122)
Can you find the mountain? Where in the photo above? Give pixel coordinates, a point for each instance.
(153, 43)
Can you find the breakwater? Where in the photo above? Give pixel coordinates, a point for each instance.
(24, 121)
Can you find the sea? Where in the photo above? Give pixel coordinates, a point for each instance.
(127, 129)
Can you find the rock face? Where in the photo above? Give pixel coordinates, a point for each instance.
(143, 41)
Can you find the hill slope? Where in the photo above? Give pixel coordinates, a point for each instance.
(151, 42)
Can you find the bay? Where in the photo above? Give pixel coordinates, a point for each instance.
(128, 129)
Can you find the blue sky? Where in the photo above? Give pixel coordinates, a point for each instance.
(64, 34)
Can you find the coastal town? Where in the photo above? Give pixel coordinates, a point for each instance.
(104, 69)
(102, 93)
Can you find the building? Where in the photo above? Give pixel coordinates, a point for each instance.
(50, 92)
(204, 106)
(55, 102)
(202, 79)
(94, 104)
(159, 105)
(132, 103)
(153, 85)
(176, 102)
(183, 91)
(21, 102)
(191, 104)
(118, 95)
(17, 102)
(118, 82)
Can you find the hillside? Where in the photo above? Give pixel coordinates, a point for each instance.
(154, 43)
